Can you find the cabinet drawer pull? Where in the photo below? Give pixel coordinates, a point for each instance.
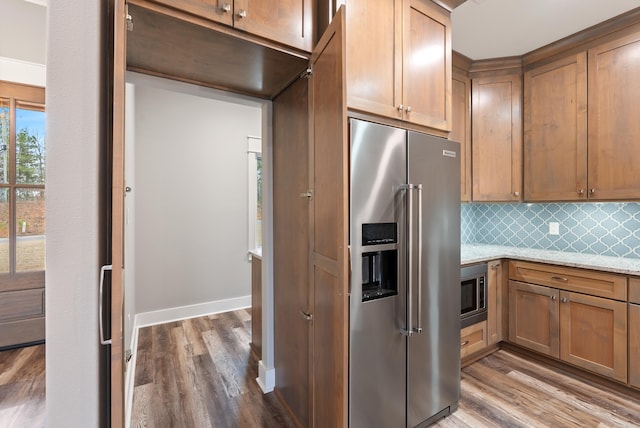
(560, 278)
(466, 342)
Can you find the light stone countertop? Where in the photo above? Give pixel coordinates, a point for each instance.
(475, 253)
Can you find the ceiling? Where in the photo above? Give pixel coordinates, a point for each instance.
(498, 28)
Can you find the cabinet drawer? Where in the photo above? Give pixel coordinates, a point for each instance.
(473, 338)
(608, 285)
(634, 290)
(21, 304)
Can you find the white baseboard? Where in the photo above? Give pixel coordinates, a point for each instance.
(192, 311)
(266, 378)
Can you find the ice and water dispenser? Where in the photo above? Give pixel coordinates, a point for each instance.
(380, 265)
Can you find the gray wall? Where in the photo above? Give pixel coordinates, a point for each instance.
(190, 194)
(73, 123)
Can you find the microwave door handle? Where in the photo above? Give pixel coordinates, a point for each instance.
(418, 328)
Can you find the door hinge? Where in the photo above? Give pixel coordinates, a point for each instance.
(307, 73)
(128, 19)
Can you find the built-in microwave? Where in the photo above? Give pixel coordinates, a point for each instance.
(473, 283)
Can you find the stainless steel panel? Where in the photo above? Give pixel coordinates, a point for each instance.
(377, 353)
(433, 373)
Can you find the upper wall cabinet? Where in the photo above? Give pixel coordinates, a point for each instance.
(614, 125)
(496, 117)
(399, 61)
(461, 129)
(284, 21)
(555, 130)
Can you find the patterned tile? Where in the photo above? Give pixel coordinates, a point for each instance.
(608, 229)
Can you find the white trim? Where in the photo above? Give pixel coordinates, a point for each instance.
(130, 375)
(266, 378)
(192, 311)
(28, 73)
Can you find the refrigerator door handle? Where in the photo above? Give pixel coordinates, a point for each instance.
(103, 269)
(408, 189)
(418, 328)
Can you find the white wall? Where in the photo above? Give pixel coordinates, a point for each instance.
(73, 119)
(22, 42)
(22, 31)
(190, 203)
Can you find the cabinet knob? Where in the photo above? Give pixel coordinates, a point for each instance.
(553, 297)
(466, 342)
(580, 192)
(408, 109)
(592, 191)
(516, 193)
(226, 8)
(400, 107)
(242, 14)
(564, 300)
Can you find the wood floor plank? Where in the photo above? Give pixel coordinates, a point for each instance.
(22, 387)
(212, 380)
(507, 390)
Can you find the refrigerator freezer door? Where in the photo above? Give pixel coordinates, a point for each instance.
(433, 372)
(377, 353)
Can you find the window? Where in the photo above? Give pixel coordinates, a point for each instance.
(22, 179)
(254, 151)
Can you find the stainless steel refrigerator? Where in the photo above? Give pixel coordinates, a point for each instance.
(404, 350)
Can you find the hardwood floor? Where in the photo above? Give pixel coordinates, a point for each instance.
(22, 387)
(201, 373)
(505, 390)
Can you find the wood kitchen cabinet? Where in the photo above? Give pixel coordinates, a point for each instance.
(461, 127)
(473, 339)
(555, 130)
(495, 305)
(289, 22)
(614, 129)
(256, 305)
(399, 61)
(496, 117)
(585, 330)
(311, 222)
(634, 332)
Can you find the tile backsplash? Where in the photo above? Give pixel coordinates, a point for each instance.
(608, 229)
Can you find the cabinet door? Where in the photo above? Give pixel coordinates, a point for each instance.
(374, 60)
(533, 317)
(291, 248)
(289, 22)
(494, 302)
(496, 137)
(634, 345)
(614, 129)
(426, 47)
(329, 232)
(555, 131)
(461, 129)
(216, 10)
(593, 334)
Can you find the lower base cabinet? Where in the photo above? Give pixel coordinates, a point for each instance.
(583, 330)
